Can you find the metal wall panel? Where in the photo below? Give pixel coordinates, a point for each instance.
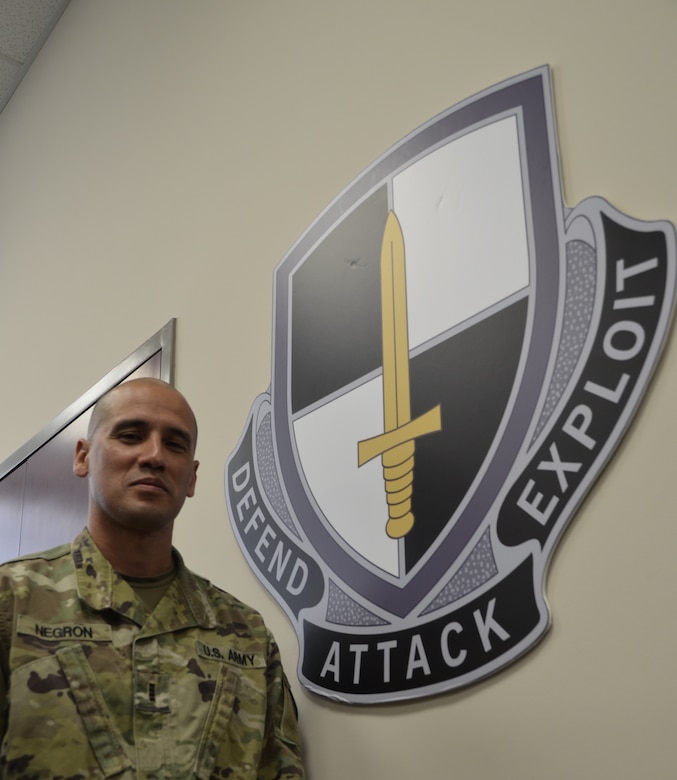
(55, 503)
(11, 502)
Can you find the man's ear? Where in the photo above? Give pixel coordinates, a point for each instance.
(81, 459)
(191, 487)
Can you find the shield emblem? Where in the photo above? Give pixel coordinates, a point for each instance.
(417, 367)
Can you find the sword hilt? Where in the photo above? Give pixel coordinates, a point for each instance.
(398, 474)
(396, 449)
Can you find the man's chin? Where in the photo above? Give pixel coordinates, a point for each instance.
(147, 522)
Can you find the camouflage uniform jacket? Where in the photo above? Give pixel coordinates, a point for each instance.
(93, 686)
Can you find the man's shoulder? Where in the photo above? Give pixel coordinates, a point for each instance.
(219, 596)
(50, 569)
(227, 606)
(36, 560)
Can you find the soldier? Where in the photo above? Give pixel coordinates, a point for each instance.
(115, 659)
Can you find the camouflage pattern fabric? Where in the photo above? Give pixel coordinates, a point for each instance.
(92, 685)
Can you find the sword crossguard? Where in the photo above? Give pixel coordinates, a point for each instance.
(429, 422)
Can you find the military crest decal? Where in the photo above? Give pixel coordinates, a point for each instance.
(456, 355)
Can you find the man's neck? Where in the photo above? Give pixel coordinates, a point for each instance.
(132, 552)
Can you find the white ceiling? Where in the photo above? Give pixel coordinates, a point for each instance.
(24, 26)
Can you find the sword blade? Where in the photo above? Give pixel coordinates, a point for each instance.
(396, 397)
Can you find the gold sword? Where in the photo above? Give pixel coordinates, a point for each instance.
(397, 443)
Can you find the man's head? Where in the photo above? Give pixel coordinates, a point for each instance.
(139, 456)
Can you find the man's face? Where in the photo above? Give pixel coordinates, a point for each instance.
(139, 458)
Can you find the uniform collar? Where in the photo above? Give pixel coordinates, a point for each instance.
(101, 588)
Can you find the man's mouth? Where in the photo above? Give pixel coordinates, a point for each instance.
(150, 482)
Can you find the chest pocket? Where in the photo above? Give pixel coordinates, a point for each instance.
(233, 734)
(59, 720)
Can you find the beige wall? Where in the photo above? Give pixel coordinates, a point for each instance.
(160, 158)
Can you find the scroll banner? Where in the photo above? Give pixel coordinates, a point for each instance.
(626, 339)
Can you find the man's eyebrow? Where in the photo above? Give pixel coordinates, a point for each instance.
(182, 434)
(128, 423)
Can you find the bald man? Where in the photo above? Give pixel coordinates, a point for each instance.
(115, 659)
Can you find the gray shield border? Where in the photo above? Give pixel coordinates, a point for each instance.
(529, 95)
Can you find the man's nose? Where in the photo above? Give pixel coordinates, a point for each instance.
(152, 453)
